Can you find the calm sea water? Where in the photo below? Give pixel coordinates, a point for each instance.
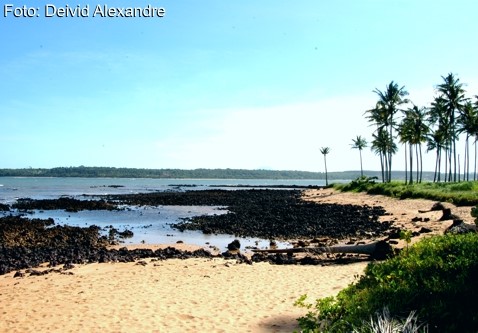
(150, 225)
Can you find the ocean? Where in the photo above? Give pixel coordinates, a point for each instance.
(150, 225)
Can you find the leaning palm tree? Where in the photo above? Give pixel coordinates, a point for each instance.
(359, 143)
(325, 151)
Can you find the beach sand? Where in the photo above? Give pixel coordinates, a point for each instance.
(193, 295)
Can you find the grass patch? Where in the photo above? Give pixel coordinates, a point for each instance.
(460, 194)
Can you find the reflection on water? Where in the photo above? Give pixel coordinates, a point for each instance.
(151, 225)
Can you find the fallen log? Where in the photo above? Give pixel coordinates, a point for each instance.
(378, 250)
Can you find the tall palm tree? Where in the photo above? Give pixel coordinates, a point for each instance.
(405, 132)
(453, 95)
(437, 141)
(359, 143)
(476, 139)
(468, 123)
(419, 132)
(440, 123)
(325, 151)
(383, 116)
(381, 145)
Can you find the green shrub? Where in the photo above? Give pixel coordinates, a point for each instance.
(474, 213)
(360, 184)
(437, 277)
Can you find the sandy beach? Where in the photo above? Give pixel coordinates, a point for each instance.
(193, 295)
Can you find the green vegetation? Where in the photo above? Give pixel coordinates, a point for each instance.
(458, 193)
(436, 278)
(439, 126)
(83, 171)
(98, 172)
(384, 323)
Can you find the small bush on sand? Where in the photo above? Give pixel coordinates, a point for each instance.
(360, 184)
(436, 278)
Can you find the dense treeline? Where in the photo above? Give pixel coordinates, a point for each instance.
(83, 171)
(98, 172)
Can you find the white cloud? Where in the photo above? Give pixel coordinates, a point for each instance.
(278, 137)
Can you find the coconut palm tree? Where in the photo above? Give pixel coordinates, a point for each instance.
(414, 131)
(453, 95)
(325, 151)
(383, 116)
(441, 134)
(468, 124)
(476, 139)
(436, 140)
(359, 143)
(381, 145)
(405, 133)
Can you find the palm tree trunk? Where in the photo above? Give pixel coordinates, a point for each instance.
(390, 151)
(326, 177)
(382, 167)
(411, 164)
(474, 171)
(439, 164)
(418, 165)
(459, 172)
(406, 165)
(361, 168)
(450, 173)
(436, 166)
(467, 158)
(454, 159)
(421, 162)
(446, 165)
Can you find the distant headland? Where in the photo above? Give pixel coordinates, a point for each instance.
(112, 172)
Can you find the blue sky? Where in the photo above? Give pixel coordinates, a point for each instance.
(221, 84)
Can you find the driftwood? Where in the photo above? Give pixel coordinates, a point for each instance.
(447, 215)
(378, 250)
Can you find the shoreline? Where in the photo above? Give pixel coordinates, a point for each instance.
(192, 295)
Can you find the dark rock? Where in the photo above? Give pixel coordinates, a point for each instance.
(424, 230)
(18, 274)
(68, 265)
(459, 227)
(235, 245)
(66, 203)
